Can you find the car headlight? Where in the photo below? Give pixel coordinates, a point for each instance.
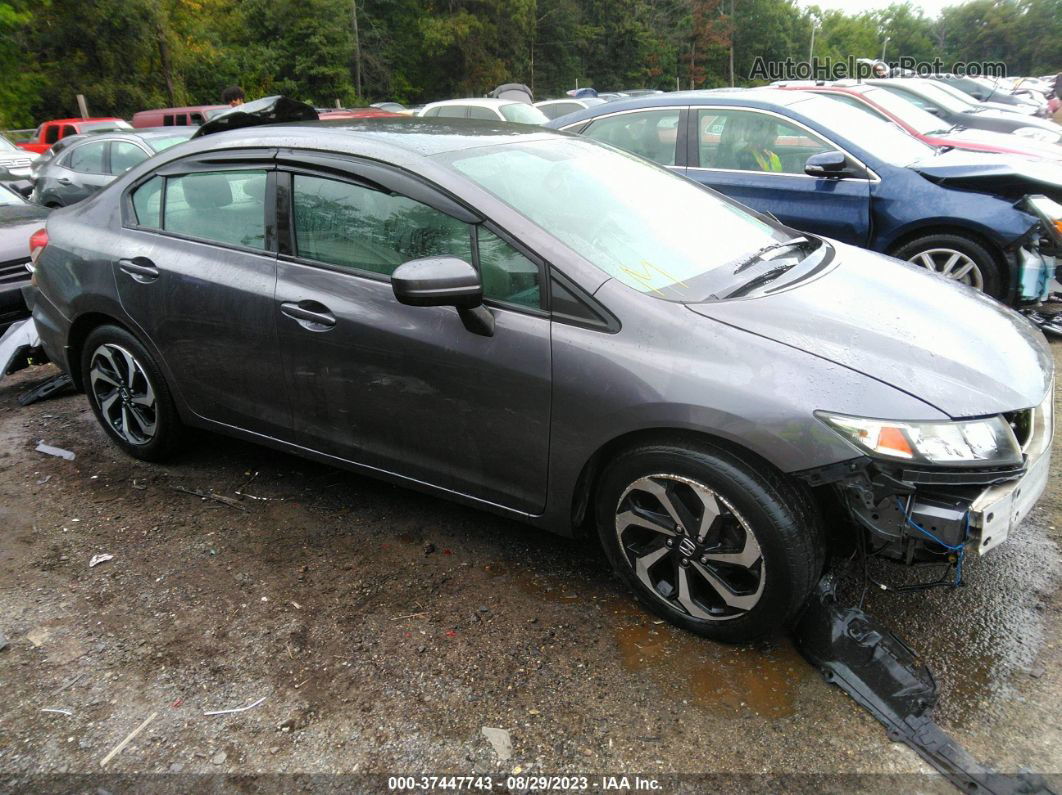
(986, 442)
(1050, 213)
(1038, 134)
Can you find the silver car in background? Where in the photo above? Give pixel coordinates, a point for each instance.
(85, 165)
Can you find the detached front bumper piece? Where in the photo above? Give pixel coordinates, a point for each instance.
(860, 655)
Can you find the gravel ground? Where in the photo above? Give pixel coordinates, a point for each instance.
(379, 630)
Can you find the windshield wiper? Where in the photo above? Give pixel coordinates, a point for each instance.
(764, 278)
(757, 256)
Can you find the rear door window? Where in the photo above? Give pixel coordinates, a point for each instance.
(222, 206)
(652, 134)
(68, 130)
(558, 109)
(453, 112)
(87, 158)
(124, 156)
(475, 112)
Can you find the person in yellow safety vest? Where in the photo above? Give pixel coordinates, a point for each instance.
(750, 139)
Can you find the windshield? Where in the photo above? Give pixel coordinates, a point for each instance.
(878, 136)
(626, 216)
(934, 93)
(913, 116)
(105, 125)
(8, 197)
(966, 100)
(158, 144)
(523, 114)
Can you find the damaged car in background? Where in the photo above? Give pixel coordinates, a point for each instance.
(527, 322)
(991, 221)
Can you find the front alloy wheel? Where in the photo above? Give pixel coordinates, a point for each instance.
(689, 547)
(712, 543)
(951, 264)
(124, 393)
(960, 258)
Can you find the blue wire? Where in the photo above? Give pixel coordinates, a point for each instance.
(959, 548)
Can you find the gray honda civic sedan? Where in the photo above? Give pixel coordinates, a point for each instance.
(553, 330)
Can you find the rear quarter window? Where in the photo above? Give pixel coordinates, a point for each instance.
(147, 203)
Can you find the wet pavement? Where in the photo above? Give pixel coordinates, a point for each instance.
(385, 629)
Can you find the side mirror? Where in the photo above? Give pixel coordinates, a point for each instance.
(444, 281)
(828, 164)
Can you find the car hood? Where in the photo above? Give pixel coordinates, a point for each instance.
(941, 342)
(20, 157)
(1026, 115)
(990, 171)
(17, 223)
(1028, 147)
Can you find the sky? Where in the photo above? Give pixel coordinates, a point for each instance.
(929, 7)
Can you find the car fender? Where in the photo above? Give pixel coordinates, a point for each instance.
(898, 205)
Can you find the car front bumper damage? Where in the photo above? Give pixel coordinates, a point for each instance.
(936, 515)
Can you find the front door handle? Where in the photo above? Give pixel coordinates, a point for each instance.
(311, 315)
(63, 181)
(141, 269)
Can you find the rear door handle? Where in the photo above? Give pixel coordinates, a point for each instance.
(141, 269)
(311, 315)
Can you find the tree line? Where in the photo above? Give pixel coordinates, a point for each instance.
(128, 55)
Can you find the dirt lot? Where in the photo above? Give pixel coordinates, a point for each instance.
(384, 629)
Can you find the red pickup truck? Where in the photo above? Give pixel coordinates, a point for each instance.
(51, 131)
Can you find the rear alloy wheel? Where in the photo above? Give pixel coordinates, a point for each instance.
(128, 394)
(956, 257)
(124, 394)
(715, 546)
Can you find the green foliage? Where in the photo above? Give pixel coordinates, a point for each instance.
(127, 55)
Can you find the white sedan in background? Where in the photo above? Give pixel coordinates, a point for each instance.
(477, 108)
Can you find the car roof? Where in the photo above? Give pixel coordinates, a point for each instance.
(82, 121)
(183, 108)
(765, 98)
(396, 139)
(144, 133)
(480, 102)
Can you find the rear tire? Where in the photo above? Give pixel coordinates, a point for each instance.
(129, 395)
(957, 257)
(743, 573)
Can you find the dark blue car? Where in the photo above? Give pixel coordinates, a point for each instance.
(818, 165)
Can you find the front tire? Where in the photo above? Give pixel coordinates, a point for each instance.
(708, 542)
(957, 257)
(128, 394)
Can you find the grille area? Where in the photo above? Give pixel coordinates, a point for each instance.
(14, 272)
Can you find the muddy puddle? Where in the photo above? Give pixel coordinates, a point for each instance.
(726, 681)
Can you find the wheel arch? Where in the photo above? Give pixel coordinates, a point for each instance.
(589, 476)
(80, 329)
(979, 236)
